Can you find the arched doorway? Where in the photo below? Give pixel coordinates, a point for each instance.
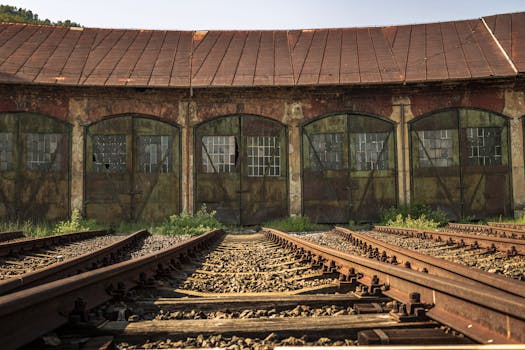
(460, 162)
(132, 169)
(34, 167)
(240, 164)
(349, 168)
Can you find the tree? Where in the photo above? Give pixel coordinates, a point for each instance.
(19, 15)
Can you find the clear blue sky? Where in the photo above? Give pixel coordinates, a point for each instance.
(261, 14)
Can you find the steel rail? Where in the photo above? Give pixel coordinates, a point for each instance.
(512, 246)
(88, 261)
(433, 265)
(6, 236)
(35, 243)
(512, 225)
(27, 314)
(495, 229)
(482, 314)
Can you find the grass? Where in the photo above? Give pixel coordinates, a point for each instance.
(294, 224)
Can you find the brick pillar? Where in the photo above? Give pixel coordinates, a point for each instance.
(293, 116)
(79, 118)
(402, 114)
(187, 117)
(515, 109)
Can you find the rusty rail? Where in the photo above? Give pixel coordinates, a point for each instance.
(511, 246)
(6, 236)
(479, 312)
(496, 229)
(26, 315)
(511, 225)
(36, 243)
(435, 266)
(88, 261)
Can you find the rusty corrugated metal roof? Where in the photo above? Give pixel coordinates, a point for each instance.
(114, 57)
(509, 30)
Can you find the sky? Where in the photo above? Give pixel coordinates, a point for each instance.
(261, 14)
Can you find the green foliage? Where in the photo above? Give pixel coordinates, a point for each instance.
(415, 211)
(29, 228)
(294, 224)
(18, 15)
(186, 224)
(75, 224)
(421, 223)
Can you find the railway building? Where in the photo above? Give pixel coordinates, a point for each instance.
(335, 124)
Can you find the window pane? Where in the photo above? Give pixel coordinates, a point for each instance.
(6, 151)
(326, 151)
(371, 151)
(43, 152)
(264, 156)
(484, 146)
(109, 153)
(155, 154)
(218, 154)
(435, 148)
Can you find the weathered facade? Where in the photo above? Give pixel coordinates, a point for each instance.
(333, 124)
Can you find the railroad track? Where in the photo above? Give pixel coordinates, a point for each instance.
(267, 301)
(8, 236)
(497, 229)
(490, 243)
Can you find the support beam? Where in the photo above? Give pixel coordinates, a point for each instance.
(78, 118)
(293, 116)
(402, 114)
(515, 109)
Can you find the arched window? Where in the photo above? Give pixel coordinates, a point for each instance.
(349, 168)
(460, 162)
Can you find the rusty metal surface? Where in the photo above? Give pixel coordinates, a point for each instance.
(34, 177)
(88, 261)
(485, 315)
(6, 236)
(120, 184)
(35, 243)
(155, 58)
(340, 181)
(435, 266)
(509, 30)
(224, 183)
(465, 187)
(22, 313)
(500, 229)
(487, 242)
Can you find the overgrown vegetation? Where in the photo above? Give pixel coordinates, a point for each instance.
(19, 15)
(75, 224)
(414, 212)
(187, 224)
(421, 223)
(29, 228)
(294, 224)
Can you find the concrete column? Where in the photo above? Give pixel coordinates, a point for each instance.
(293, 116)
(79, 118)
(187, 117)
(402, 114)
(515, 109)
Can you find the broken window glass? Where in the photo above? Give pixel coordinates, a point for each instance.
(6, 151)
(155, 154)
(109, 153)
(218, 154)
(484, 146)
(369, 152)
(43, 152)
(435, 148)
(264, 156)
(326, 151)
